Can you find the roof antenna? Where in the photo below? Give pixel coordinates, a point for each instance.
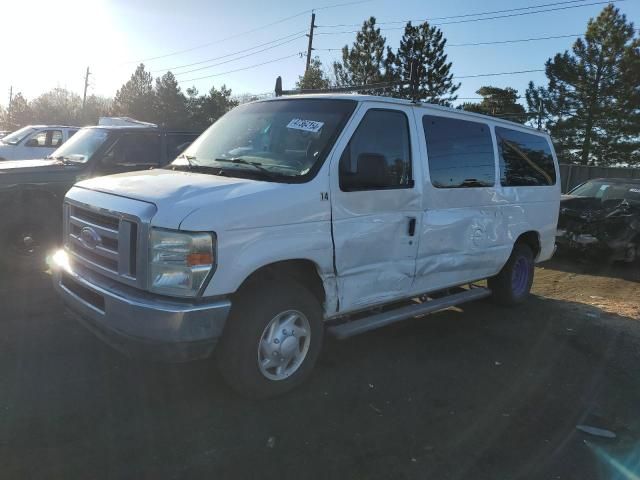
(278, 89)
(414, 81)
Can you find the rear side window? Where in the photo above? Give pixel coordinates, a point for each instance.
(378, 155)
(460, 153)
(525, 159)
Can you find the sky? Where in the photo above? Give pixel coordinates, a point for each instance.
(53, 43)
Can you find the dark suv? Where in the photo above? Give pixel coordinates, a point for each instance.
(31, 191)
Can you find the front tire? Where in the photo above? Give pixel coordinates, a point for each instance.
(272, 339)
(512, 285)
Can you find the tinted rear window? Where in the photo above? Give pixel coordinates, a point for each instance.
(460, 153)
(525, 159)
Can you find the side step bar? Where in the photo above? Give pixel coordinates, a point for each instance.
(355, 327)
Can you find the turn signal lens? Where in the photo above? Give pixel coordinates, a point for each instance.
(196, 259)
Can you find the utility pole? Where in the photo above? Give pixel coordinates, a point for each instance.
(310, 35)
(86, 85)
(540, 114)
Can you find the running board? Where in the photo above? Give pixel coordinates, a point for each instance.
(355, 327)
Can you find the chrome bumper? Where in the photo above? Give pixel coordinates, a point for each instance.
(138, 323)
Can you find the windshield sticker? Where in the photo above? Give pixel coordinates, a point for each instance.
(634, 190)
(305, 125)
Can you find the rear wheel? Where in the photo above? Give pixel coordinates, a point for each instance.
(272, 339)
(512, 285)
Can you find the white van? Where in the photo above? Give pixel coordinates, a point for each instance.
(294, 214)
(34, 141)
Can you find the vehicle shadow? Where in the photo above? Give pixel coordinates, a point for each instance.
(473, 392)
(575, 263)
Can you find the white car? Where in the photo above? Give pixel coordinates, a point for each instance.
(291, 215)
(34, 141)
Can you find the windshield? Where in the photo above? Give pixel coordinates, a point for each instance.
(82, 145)
(605, 191)
(17, 136)
(284, 139)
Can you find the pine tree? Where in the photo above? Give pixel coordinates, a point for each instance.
(205, 109)
(314, 77)
(136, 97)
(364, 62)
(423, 46)
(170, 103)
(498, 102)
(591, 104)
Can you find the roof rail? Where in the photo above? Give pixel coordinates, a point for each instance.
(412, 83)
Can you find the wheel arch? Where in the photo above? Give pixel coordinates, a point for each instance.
(531, 238)
(302, 270)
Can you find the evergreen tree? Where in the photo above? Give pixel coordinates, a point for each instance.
(364, 62)
(206, 109)
(591, 104)
(136, 97)
(314, 77)
(498, 102)
(20, 113)
(170, 103)
(423, 46)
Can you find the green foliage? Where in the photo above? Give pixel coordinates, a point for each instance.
(498, 102)
(136, 98)
(423, 46)
(314, 77)
(206, 109)
(591, 104)
(170, 103)
(364, 62)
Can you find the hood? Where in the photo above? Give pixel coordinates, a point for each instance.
(24, 164)
(590, 209)
(16, 172)
(224, 202)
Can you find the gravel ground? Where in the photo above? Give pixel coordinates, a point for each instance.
(477, 392)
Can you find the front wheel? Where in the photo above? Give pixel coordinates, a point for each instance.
(272, 339)
(512, 285)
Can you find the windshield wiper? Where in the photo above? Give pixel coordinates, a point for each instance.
(256, 165)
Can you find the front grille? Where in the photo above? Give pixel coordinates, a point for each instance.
(103, 241)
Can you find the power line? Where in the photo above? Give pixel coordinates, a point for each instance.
(296, 35)
(261, 27)
(497, 42)
(238, 58)
(241, 69)
(461, 16)
(486, 18)
(499, 73)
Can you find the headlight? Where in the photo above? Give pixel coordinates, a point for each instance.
(180, 261)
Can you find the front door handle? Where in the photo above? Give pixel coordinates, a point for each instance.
(412, 226)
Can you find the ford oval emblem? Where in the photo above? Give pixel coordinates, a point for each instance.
(90, 238)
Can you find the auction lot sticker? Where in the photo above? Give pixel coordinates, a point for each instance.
(305, 125)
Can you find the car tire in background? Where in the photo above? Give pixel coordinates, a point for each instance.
(272, 338)
(30, 232)
(512, 285)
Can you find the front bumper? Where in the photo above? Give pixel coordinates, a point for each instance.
(138, 323)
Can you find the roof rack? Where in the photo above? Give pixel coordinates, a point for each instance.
(412, 83)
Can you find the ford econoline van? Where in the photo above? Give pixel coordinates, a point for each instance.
(294, 216)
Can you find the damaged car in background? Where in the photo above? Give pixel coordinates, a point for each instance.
(602, 217)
